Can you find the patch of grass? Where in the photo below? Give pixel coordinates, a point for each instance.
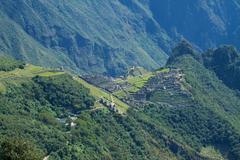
(211, 152)
(163, 70)
(120, 94)
(32, 68)
(28, 71)
(49, 73)
(139, 81)
(136, 82)
(2, 88)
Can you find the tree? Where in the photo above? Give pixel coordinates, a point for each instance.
(18, 149)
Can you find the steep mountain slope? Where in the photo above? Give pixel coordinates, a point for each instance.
(205, 23)
(225, 62)
(110, 36)
(209, 92)
(98, 36)
(209, 97)
(17, 43)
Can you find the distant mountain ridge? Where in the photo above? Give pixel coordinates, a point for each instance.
(110, 36)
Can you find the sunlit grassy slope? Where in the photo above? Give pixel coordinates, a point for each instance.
(28, 71)
(212, 153)
(98, 93)
(2, 88)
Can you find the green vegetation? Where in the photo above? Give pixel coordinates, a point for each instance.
(45, 112)
(2, 88)
(55, 34)
(214, 104)
(135, 82)
(211, 153)
(28, 71)
(9, 64)
(196, 127)
(208, 90)
(64, 92)
(187, 121)
(49, 73)
(33, 108)
(225, 62)
(39, 108)
(139, 81)
(98, 93)
(183, 48)
(18, 149)
(192, 117)
(162, 70)
(30, 109)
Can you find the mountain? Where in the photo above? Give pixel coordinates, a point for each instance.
(182, 111)
(111, 36)
(91, 36)
(187, 101)
(205, 23)
(50, 113)
(90, 79)
(225, 62)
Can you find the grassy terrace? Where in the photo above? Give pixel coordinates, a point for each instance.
(137, 82)
(211, 152)
(29, 71)
(98, 93)
(2, 88)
